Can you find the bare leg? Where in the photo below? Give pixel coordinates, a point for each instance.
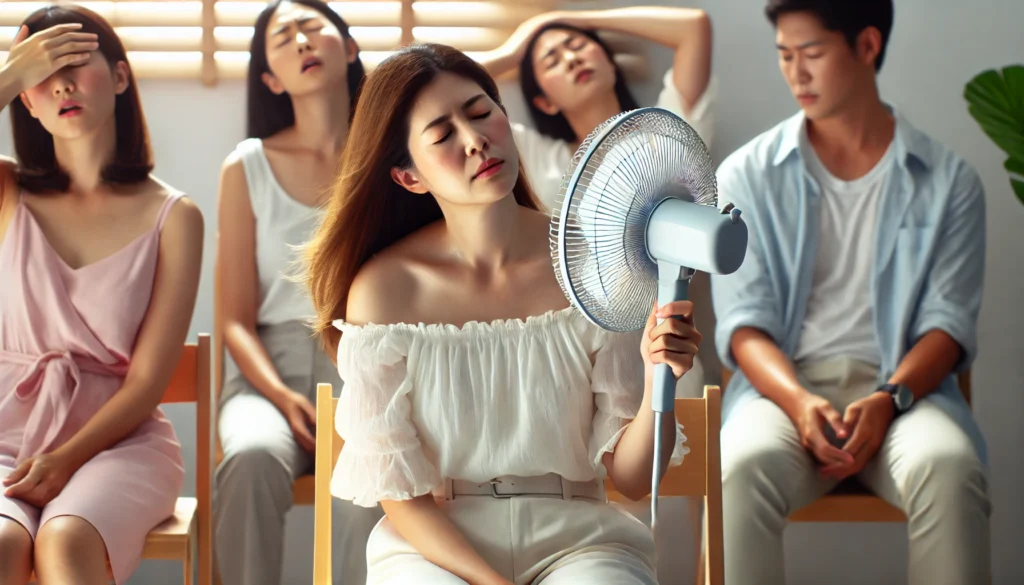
(69, 551)
(15, 553)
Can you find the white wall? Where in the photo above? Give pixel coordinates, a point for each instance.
(936, 47)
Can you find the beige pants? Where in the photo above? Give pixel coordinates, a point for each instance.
(529, 540)
(253, 485)
(927, 467)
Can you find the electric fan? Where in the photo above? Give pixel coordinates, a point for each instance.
(636, 215)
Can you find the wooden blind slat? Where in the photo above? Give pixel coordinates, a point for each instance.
(120, 13)
(474, 14)
(360, 13)
(209, 39)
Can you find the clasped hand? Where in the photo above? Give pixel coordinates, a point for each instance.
(860, 430)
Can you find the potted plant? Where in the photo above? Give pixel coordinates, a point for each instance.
(996, 101)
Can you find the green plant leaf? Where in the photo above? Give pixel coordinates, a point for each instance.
(1018, 188)
(1013, 165)
(1014, 77)
(995, 99)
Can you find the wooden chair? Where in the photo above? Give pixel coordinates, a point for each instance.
(328, 448)
(699, 475)
(187, 535)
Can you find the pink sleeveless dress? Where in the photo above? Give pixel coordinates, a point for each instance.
(66, 342)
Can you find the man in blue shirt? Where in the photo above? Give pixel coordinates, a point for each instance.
(854, 310)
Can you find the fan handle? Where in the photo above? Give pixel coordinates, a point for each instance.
(673, 285)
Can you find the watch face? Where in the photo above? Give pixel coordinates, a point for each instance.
(904, 397)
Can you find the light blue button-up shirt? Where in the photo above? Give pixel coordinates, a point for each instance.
(929, 255)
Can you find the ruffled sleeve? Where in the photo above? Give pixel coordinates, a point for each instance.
(382, 458)
(618, 386)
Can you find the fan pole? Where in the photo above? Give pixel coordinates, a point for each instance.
(673, 285)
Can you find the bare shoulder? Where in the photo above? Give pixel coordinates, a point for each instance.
(383, 287)
(232, 170)
(184, 217)
(232, 162)
(233, 190)
(387, 287)
(380, 291)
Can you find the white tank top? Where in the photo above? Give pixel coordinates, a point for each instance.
(282, 225)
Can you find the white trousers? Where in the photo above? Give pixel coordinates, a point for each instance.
(529, 540)
(927, 466)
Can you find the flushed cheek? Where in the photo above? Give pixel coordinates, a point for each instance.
(439, 166)
(596, 57)
(555, 83)
(37, 98)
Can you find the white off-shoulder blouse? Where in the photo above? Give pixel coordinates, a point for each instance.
(422, 403)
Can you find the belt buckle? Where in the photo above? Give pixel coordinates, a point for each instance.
(494, 489)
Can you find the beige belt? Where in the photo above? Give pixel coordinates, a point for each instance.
(508, 486)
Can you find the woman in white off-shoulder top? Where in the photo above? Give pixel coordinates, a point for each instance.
(480, 411)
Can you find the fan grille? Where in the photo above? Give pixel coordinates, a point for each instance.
(617, 176)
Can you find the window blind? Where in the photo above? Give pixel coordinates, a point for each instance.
(209, 40)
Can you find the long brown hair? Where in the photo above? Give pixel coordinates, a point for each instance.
(368, 211)
(38, 171)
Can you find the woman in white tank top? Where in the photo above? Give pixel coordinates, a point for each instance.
(303, 75)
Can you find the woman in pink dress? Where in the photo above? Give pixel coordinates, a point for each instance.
(100, 265)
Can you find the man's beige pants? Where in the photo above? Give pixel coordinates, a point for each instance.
(927, 466)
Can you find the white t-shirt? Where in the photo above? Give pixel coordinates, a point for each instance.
(839, 316)
(546, 159)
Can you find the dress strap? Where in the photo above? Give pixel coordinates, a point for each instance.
(166, 208)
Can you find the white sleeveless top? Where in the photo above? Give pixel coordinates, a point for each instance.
(282, 224)
(422, 403)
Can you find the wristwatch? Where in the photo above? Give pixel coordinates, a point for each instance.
(902, 397)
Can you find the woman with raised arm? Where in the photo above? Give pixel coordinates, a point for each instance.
(100, 264)
(571, 82)
(304, 71)
(480, 410)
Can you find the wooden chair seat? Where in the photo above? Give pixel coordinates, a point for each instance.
(849, 502)
(303, 490)
(172, 539)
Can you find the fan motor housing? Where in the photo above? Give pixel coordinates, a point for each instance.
(694, 236)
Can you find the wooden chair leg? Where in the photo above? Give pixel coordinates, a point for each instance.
(697, 522)
(702, 556)
(188, 566)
